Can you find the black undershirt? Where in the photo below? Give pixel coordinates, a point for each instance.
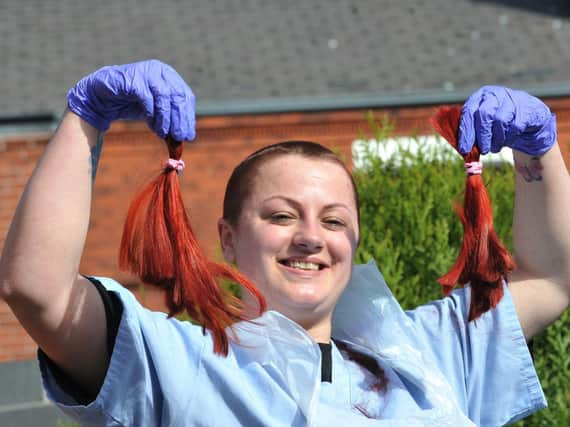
(326, 364)
(113, 314)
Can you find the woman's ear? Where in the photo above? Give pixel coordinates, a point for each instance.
(226, 233)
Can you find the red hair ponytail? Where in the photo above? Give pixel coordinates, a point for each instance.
(158, 246)
(483, 260)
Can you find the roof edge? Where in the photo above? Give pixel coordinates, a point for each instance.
(348, 102)
(303, 104)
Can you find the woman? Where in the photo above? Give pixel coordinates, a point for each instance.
(293, 232)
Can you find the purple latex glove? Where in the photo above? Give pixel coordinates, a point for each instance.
(495, 117)
(147, 90)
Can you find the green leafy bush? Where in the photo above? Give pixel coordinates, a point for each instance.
(66, 423)
(409, 227)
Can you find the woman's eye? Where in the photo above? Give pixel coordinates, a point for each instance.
(334, 223)
(281, 218)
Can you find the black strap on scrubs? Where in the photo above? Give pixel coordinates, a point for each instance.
(326, 362)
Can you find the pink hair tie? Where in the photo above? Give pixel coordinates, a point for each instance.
(474, 168)
(178, 165)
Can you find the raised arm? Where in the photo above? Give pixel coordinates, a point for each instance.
(38, 268)
(541, 231)
(495, 117)
(39, 265)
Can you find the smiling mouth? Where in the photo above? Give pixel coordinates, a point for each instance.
(302, 265)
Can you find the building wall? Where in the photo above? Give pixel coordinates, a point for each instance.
(132, 155)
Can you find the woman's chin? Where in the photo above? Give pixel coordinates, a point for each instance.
(302, 305)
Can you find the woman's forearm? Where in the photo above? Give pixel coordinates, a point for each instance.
(541, 226)
(44, 244)
(540, 286)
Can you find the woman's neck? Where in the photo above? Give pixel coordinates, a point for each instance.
(320, 331)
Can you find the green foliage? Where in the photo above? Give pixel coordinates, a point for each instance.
(66, 423)
(409, 227)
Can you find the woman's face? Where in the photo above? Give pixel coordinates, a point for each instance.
(296, 236)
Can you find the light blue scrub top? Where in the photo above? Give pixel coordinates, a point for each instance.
(441, 370)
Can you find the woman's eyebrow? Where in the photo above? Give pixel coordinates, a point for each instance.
(298, 204)
(279, 197)
(336, 205)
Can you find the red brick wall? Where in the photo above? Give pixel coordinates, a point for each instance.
(132, 155)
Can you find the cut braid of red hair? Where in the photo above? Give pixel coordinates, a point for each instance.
(483, 261)
(159, 246)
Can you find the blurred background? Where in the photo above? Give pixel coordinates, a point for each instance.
(262, 71)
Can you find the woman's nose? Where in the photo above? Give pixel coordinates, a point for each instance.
(309, 237)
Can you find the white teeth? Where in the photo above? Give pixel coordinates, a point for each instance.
(302, 265)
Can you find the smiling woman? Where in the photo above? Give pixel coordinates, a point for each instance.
(290, 223)
(333, 346)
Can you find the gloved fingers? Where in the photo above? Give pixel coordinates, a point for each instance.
(466, 132)
(484, 118)
(147, 107)
(502, 128)
(160, 120)
(495, 117)
(534, 126)
(182, 120)
(537, 141)
(147, 89)
(533, 116)
(182, 107)
(87, 99)
(154, 93)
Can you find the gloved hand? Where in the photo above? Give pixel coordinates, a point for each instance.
(149, 90)
(495, 117)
